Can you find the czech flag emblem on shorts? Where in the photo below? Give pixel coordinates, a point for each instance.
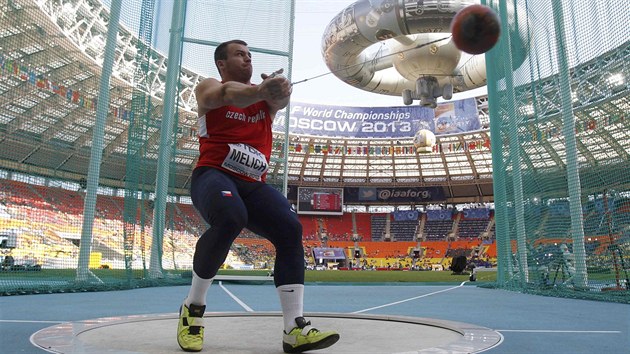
(226, 193)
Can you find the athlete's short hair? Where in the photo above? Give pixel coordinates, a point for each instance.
(221, 52)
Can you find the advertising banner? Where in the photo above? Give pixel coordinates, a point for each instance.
(328, 253)
(559, 208)
(381, 122)
(405, 215)
(394, 194)
(477, 214)
(439, 215)
(601, 207)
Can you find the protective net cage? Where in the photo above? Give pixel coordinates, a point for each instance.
(558, 103)
(94, 180)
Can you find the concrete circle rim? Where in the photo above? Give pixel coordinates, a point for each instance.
(62, 338)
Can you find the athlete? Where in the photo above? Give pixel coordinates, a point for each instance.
(228, 189)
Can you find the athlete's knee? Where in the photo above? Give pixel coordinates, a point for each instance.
(230, 222)
(293, 228)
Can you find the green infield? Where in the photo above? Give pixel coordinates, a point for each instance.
(393, 276)
(63, 279)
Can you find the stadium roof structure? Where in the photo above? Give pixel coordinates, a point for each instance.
(51, 54)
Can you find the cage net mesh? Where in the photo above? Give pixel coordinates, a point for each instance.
(558, 102)
(52, 59)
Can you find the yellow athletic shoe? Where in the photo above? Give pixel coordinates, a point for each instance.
(190, 327)
(304, 337)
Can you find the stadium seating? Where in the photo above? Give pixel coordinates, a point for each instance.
(364, 225)
(404, 230)
(377, 225)
(471, 228)
(339, 227)
(436, 230)
(54, 216)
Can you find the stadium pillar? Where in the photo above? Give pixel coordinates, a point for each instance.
(166, 134)
(568, 130)
(96, 154)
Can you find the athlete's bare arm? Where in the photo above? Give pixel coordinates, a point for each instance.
(211, 94)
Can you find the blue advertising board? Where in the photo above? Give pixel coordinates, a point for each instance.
(406, 215)
(328, 253)
(477, 214)
(439, 214)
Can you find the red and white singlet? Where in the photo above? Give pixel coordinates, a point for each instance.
(237, 140)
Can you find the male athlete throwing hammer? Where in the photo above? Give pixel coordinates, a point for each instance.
(228, 189)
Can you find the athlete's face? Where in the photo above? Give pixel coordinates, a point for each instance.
(238, 65)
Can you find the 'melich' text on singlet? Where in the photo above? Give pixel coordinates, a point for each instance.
(245, 160)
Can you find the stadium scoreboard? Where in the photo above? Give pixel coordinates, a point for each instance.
(320, 201)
